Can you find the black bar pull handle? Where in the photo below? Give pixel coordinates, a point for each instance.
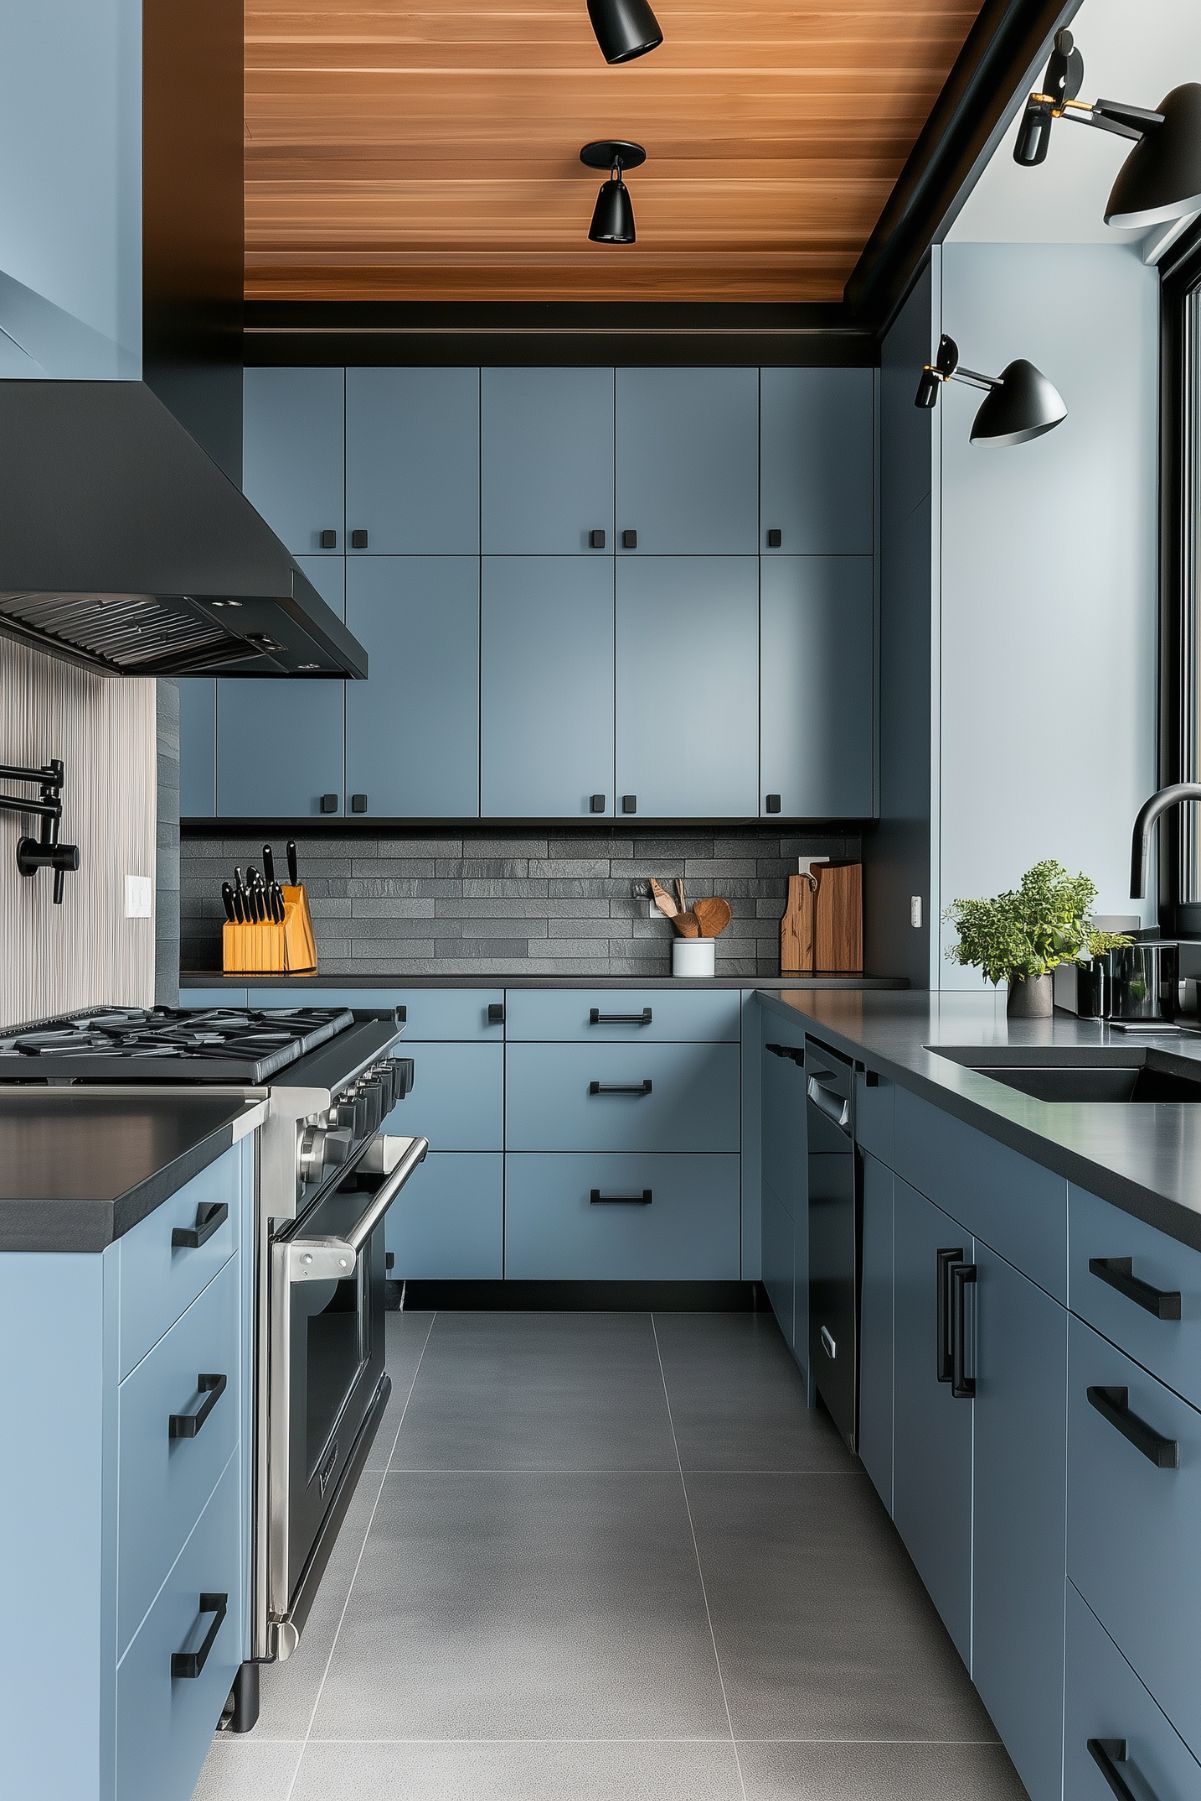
(597, 1018)
(208, 1219)
(638, 1088)
(963, 1386)
(189, 1664)
(943, 1261)
(188, 1425)
(597, 1199)
(1113, 1404)
(1107, 1754)
(787, 1051)
(359, 540)
(328, 539)
(1118, 1273)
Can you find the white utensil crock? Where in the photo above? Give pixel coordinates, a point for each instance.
(693, 956)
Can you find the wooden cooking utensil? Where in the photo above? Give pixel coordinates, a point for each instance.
(663, 900)
(687, 925)
(679, 887)
(712, 916)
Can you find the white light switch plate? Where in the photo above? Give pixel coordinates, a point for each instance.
(139, 897)
(915, 910)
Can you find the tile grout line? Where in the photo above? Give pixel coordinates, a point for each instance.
(696, 1552)
(354, 1576)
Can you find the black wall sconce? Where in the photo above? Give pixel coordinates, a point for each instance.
(1019, 404)
(44, 851)
(624, 28)
(1161, 178)
(613, 214)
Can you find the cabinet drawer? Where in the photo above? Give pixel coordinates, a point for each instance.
(429, 1013)
(448, 1225)
(204, 998)
(1106, 1701)
(622, 1218)
(165, 1480)
(1133, 1547)
(1015, 1206)
(165, 1721)
(1170, 1347)
(616, 1097)
(456, 1097)
(615, 1015)
(873, 1115)
(160, 1279)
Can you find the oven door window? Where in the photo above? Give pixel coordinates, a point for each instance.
(331, 1337)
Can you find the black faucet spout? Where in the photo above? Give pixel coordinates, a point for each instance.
(1148, 814)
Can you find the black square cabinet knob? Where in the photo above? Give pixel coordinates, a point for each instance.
(329, 540)
(596, 803)
(329, 803)
(629, 540)
(358, 803)
(775, 538)
(496, 1013)
(358, 540)
(597, 540)
(773, 803)
(629, 803)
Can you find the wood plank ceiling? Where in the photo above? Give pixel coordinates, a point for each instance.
(430, 152)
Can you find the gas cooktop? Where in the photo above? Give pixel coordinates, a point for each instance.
(161, 1043)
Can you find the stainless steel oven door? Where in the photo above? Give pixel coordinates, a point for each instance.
(327, 1358)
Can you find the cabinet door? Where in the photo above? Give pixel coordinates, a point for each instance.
(197, 749)
(413, 461)
(817, 461)
(932, 1438)
(1019, 1551)
(293, 454)
(546, 687)
(779, 1274)
(816, 666)
(687, 455)
(875, 1329)
(687, 686)
(412, 728)
(279, 743)
(546, 461)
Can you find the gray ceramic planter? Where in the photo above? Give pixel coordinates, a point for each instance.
(1032, 997)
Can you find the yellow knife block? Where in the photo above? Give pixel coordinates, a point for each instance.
(269, 949)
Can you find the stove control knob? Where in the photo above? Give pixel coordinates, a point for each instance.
(372, 1095)
(323, 1148)
(346, 1114)
(338, 1145)
(386, 1073)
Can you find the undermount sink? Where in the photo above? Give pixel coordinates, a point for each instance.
(1106, 1076)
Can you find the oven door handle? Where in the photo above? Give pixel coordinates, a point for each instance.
(332, 1259)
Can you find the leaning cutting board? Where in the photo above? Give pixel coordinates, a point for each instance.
(822, 926)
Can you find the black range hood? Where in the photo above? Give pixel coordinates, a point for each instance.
(125, 548)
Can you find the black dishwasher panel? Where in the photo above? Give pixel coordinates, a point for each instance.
(835, 1227)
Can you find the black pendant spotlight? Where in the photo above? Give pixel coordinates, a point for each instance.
(1161, 178)
(624, 28)
(613, 214)
(1019, 404)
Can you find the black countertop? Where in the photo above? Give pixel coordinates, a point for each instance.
(1144, 1157)
(79, 1169)
(215, 978)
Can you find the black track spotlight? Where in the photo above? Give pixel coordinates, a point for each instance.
(613, 214)
(624, 29)
(1161, 178)
(1019, 404)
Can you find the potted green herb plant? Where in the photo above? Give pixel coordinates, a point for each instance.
(1020, 936)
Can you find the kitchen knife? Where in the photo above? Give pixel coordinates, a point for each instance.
(227, 896)
(277, 901)
(239, 907)
(260, 903)
(252, 876)
(292, 875)
(240, 893)
(268, 865)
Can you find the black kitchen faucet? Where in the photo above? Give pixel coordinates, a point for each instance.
(44, 850)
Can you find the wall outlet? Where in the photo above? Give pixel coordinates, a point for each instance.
(139, 897)
(915, 911)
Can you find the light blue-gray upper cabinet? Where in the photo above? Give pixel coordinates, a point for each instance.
(546, 462)
(412, 728)
(687, 456)
(413, 461)
(293, 455)
(279, 744)
(197, 749)
(817, 470)
(546, 687)
(817, 660)
(687, 686)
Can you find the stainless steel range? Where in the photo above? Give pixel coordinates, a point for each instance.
(328, 1171)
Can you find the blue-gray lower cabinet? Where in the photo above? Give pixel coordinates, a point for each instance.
(687, 686)
(932, 1458)
(779, 1267)
(448, 1224)
(293, 462)
(622, 1218)
(412, 728)
(456, 1099)
(687, 459)
(412, 461)
(876, 1336)
(197, 749)
(817, 684)
(546, 462)
(624, 1015)
(546, 687)
(616, 1097)
(816, 450)
(280, 743)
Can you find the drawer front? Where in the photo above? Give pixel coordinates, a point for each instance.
(874, 1114)
(165, 1722)
(779, 1267)
(165, 1480)
(617, 1015)
(1107, 1702)
(456, 1100)
(1134, 1550)
(1167, 1278)
(448, 1224)
(159, 1279)
(214, 997)
(678, 1097)
(429, 1013)
(1015, 1206)
(622, 1218)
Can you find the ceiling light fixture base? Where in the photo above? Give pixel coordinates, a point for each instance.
(613, 153)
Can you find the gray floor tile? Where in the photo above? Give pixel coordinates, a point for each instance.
(519, 1772)
(878, 1773)
(405, 1336)
(538, 1391)
(247, 1769)
(738, 1399)
(822, 1627)
(526, 1606)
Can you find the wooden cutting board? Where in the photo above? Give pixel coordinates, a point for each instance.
(822, 926)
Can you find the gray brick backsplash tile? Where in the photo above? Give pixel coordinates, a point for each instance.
(569, 866)
(392, 907)
(516, 949)
(492, 927)
(391, 928)
(716, 868)
(505, 847)
(388, 848)
(391, 866)
(588, 928)
(394, 887)
(484, 866)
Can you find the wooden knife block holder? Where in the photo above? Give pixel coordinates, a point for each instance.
(265, 949)
(821, 931)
